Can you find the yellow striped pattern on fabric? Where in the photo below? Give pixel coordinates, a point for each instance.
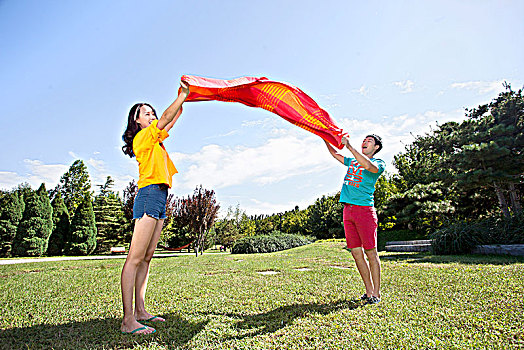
(273, 93)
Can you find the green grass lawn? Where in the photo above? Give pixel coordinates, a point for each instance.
(220, 301)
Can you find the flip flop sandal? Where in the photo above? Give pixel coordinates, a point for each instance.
(151, 319)
(138, 330)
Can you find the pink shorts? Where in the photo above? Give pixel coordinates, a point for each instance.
(360, 226)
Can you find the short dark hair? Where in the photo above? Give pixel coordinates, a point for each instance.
(378, 141)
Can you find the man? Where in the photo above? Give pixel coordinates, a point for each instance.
(360, 218)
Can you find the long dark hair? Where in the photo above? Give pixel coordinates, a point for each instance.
(132, 128)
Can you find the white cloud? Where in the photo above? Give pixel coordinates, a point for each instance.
(266, 122)
(98, 173)
(231, 133)
(121, 182)
(481, 87)
(256, 207)
(37, 173)
(330, 97)
(73, 155)
(405, 86)
(281, 157)
(9, 179)
(364, 91)
(97, 164)
(48, 173)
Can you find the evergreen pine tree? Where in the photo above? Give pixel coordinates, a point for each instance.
(109, 216)
(490, 144)
(74, 185)
(61, 225)
(11, 210)
(34, 229)
(82, 240)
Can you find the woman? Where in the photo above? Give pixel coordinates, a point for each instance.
(143, 139)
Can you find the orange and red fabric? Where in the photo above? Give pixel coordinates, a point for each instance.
(285, 100)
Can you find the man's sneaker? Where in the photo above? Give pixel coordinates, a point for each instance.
(373, 300)
(364, 297)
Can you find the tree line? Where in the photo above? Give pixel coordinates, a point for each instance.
(458, 172)
(70, 219)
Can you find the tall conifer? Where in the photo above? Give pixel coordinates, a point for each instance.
(82, 240)
(33, 231)
(74, 185)
(11, 210)
(61, 225)
(109, 216)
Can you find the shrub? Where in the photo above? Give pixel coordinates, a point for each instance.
(511, 230)
(464, 236)
(458, 238)
(273, 242)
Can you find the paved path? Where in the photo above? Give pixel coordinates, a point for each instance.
(92, 257)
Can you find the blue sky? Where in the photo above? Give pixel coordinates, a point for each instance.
(72, 69)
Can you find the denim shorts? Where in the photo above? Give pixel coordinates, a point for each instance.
(151, 200)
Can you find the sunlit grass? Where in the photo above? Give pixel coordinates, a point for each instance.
(223, 302)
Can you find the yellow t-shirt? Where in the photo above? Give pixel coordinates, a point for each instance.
(154, 164)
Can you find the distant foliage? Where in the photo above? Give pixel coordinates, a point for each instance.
(61, 226)
(268, 243)
(324, 218)
(82, 240)
(234, 226)
(34, 229)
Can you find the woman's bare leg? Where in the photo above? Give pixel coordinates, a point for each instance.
(142, 236)
(142, 275)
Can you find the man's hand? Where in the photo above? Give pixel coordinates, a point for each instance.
(184, 88)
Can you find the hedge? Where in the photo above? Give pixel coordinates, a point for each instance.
(268, 243)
